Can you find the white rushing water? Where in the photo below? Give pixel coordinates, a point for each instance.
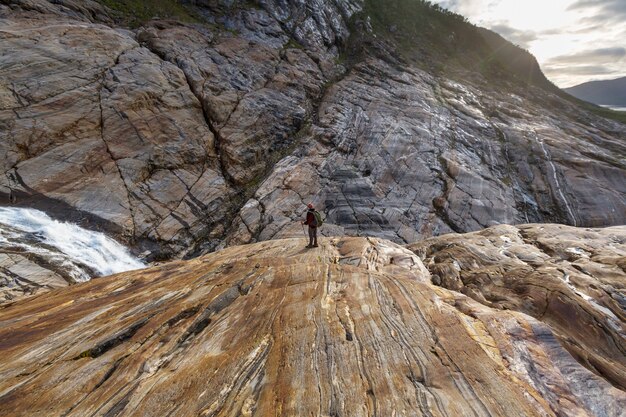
(556, 180)
(77, 250)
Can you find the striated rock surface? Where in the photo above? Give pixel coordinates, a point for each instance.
(22, 274)
(354, 328)
(118, 132)
(557, 274)
(157, 136)
(180, 138)
(402, 155)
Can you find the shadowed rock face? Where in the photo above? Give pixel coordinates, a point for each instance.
(354, 328)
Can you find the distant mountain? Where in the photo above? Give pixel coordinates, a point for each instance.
(608, 92)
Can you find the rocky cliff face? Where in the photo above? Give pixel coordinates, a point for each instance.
(179, 137)
(131, 127)
(359, 327)
(182, 138)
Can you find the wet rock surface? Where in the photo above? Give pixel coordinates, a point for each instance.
(22, 276)
(38, 254)
(355, 327)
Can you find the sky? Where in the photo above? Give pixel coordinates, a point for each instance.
(575, 41)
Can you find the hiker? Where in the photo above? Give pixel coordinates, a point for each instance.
(312, 220)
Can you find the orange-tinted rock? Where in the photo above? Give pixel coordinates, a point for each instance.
(572, 279)
(353, 328)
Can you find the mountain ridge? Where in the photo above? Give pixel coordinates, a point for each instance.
(603, 92)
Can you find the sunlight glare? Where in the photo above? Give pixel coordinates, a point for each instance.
(535, 15)
(545, 48)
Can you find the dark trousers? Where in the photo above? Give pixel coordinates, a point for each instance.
(312, 235)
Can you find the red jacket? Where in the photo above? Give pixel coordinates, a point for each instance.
(310, 219)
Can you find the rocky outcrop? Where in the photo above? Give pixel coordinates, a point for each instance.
(182, 138)
(557, 274)
(21, 275)
(117, 129)
(402, 154)
(354, 328)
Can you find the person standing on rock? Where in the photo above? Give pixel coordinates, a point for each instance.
(312, 222)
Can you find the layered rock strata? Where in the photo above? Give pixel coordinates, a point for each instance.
(22, 275)
(354, 328)
(400, 154)
(181, 138)
(570, 278)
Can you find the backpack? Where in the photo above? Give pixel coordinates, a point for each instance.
(318, 218)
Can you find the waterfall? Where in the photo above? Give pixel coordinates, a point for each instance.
(82, 253)
(556, 179)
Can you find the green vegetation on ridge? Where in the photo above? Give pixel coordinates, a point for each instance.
(446, 43)
(136, 12)
(423, 32)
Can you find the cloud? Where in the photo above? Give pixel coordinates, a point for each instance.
(601, 56)
(592, 64)
(614, 6)
(577, 70)
(600, 11)
(574, 40)
(520, 37)
(569, 76)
